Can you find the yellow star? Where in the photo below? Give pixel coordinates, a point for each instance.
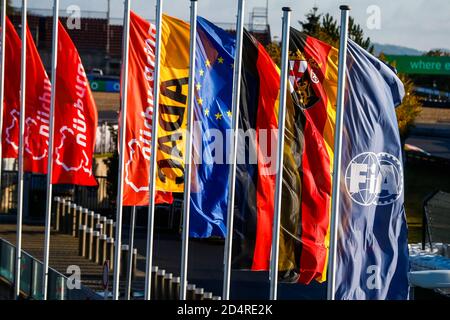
(200, 101)
(231, 65)
(229, 113)
(218, 116)
(208, 64)
(198, 86)
(202, 72)
(207, 112)
(220, 60)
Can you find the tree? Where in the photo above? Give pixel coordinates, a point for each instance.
(437, 53)
(325, 28)
(409, 109)
(312, 24)
(274, 51)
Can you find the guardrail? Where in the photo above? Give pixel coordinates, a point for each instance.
(95, 234)
(96, 198)
(435, 221)
(31, 277)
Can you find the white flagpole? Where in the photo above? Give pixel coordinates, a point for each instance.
(152, 175)
(130, 252)
(236, 94)
(335, 200)
(279, 179)
(48, 205)
(187, 163)
(125, 52)
(2, 82)
(21, 148)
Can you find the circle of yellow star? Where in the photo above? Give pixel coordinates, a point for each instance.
(202, 72)
(218, 116)
(208, 63)
(198, 86)
(229, 113)
(206, 112)
(200, 101)
(220, 60)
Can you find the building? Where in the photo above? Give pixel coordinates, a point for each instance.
(100, 43)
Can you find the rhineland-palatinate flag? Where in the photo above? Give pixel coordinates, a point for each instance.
(372, 249)
(139, 116)
(75, 118)
(37, 103)
(313, 79)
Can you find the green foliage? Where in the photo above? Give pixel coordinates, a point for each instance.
(409, 109)
(312, 24)
(437, 53)
(274, 51)
(325, 28)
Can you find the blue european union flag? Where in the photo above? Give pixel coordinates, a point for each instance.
(372, 259)
(212, 115)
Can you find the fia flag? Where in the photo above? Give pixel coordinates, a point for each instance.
(372, 248)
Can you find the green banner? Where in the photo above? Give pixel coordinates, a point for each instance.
(420, 64)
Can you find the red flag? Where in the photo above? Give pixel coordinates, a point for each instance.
(139, 116)
(11, 103)
(37, 103)
(75, 118)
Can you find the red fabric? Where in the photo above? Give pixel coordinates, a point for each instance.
(37, 103)
(138, 135)
(266, 120)
(11, 103)
(316, 179)
(75, 118)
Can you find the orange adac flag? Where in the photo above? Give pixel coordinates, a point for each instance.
(139, 115)
(75, 118)
(37, 103)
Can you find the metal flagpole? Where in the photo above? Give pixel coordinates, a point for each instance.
(48, 205)
(335, 200)
(130, 252)
(21, 148)
(152, 175)
(2, 81)
(233, 152)
(279, 180)
(187, 163)
(108, 27)
(125, 52)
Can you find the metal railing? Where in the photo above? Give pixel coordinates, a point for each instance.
(95, 198)
(31, 277)
(436, 221)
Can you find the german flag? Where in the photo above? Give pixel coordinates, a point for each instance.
(313, 76)
(255, 184)
(308, 155)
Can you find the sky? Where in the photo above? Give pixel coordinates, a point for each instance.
(418, 24)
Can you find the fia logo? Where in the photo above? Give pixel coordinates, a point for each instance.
(374, 179)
